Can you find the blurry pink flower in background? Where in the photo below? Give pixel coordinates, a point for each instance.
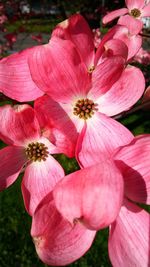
(131, 17)
(37, 38)
(3, 19)
(11, 39)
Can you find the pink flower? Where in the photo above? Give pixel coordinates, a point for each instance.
(27, 149)
(131, 17)
(93, 198)
(85, 88)
(3, 19)
(60, 241)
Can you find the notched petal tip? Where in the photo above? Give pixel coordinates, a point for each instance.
(38, 241)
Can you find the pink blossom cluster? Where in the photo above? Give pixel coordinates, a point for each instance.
(77, 89)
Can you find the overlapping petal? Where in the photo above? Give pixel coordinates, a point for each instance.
(134, 25)
(78, 31)
(122, 33)
(39, 179)
(12, 160)
(113, 47)
(57, 67)
(129, 238)
(105, 74)
(18, 124)
(57, 125)
(15, 77)
(124, 93)
(84, 195)
(133, 159)
(56, 241)
(100, 137)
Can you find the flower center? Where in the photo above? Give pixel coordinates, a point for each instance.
(135, 13)
(90, 70)
(84, 108)
(37, 151)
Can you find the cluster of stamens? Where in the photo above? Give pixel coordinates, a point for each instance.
(37, 151)
(135, 13)
(84, 108)
(90, 70)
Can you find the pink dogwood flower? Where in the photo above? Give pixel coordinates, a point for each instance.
(60, 241)
(28, 150)
(85, 88)
(131, 16)
(103, 194)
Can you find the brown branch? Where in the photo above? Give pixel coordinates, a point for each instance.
(144, 35)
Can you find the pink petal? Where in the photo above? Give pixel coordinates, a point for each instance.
(18, 124)
(15, 77)
(124, 93)
(134, 25)
(39, 179)
(56, 123)
(129, 238)
(105, 74)
(57, 67)
(78, 31)
(12, 159)
(113, 47)
(84, 195)
(131, 4)
(114, 14)
(146, 10)
(56, 241)
(100, 138)
(133, 42)
(133, 159)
